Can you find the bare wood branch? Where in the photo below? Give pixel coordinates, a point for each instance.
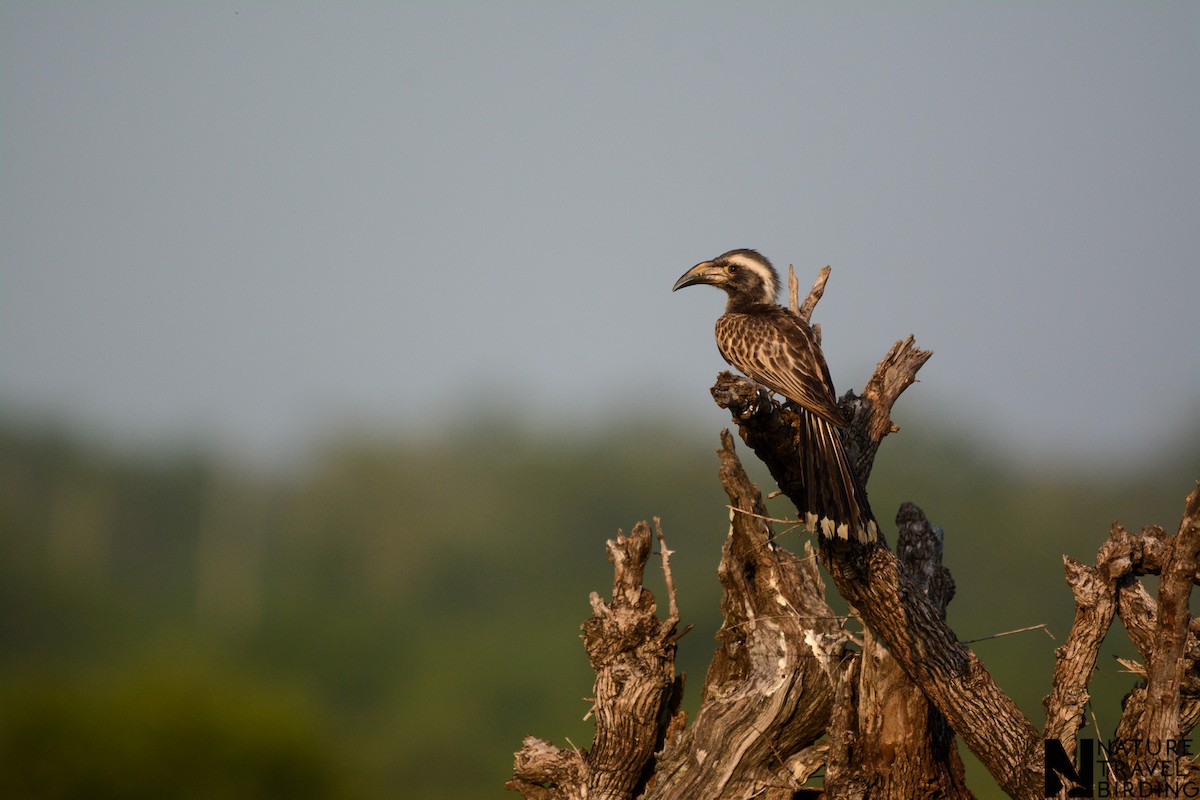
(1130, 555)
(1013, 632)
(871, 418)
(793, 291)
(633, 653)
(541, 768)
(906, 748)
(951, 676)
(1165, 672)
(1095, 605)
(804, 764)
(814, 295)
(1099, 592)
(1168, 706)
(669, 579)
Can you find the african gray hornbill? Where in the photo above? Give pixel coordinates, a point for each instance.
(773, 346)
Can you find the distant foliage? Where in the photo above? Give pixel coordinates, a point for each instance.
(382, 583)
(157, 732)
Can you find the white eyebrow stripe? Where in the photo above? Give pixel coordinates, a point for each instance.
(765, 273)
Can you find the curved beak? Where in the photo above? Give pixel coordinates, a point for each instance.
(704, 272)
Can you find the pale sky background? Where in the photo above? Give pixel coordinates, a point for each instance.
(246, 222)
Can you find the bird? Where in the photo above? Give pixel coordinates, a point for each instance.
(773, 346)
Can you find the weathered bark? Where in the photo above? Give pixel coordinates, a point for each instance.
(950, 675)
(907, 746)
(1167, 663)
(633, 653)
(767, 695)
(1095, 604)
(1149, 750)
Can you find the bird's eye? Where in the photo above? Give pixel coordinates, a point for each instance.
(731, 269)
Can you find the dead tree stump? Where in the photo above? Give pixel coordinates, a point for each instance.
(791, 690)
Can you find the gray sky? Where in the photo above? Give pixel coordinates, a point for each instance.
(248, 221)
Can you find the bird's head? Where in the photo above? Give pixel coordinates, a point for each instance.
(745, 275)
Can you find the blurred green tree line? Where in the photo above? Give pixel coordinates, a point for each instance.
(393, 616)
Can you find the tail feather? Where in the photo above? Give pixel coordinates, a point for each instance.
(835, 504)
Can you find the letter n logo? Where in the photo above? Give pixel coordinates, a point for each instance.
(1059, 768)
